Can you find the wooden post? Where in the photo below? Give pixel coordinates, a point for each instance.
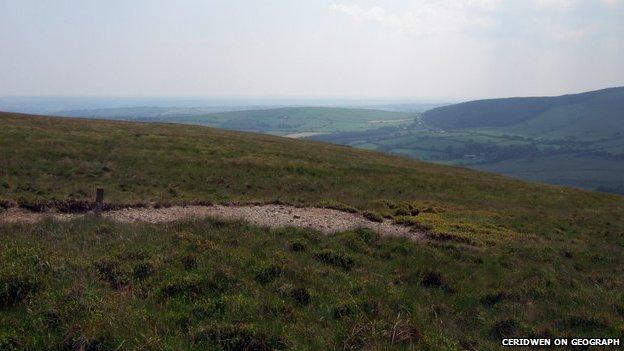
(99, 201)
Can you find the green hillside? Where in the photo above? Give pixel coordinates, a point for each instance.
(595, 113)
(502, 257)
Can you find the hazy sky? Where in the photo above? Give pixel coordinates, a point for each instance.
(317, 48)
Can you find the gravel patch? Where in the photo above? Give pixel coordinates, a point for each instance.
(18, 215)
(272, 216)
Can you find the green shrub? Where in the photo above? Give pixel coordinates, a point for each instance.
(76, 340)
(448, 237)
(189, 262)
(220, 282)
(412, 222)
(404, 333)
(268, 274)
(506, 328)
(335, 205)
(405, 209)
(21, 273)
(297, 246)
(195, 285)
(112, 272)
(15, 288)
(585, 323)
(330, 257)
(143, 270)
(368, 236)
(372, 216)
(343, 310)
(187, 286)
(10, 342)
(6, 204)
(434, 279)
(301, 296)
(493, 298)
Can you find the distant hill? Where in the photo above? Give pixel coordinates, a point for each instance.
(145, 112)
(599, 112)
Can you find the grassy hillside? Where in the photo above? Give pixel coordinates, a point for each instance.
(502, 258)
(596, 113)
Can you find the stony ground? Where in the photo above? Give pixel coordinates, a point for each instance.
(272, 216)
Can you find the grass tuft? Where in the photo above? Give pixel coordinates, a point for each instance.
(507, 328)
(434, 279)
(372, 216)
(236, 337)
(268, 274)
(336, 259)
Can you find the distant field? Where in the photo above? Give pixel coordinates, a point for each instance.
(280, 121)
(502, 258)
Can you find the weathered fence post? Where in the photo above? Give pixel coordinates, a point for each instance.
(99, 201)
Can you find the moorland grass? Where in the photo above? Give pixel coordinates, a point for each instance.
(44, 159)
(210, 284)
(502, 257)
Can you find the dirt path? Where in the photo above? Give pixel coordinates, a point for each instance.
(272, 216)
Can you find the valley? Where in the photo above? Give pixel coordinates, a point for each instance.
(580, 146)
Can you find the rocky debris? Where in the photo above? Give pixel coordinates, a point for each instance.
(20, 215)
(273, 216)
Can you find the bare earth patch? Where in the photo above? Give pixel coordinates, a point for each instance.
(273, 216)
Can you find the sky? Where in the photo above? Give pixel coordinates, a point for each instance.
(444, 49)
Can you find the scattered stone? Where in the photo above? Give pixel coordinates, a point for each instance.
(325, 220)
